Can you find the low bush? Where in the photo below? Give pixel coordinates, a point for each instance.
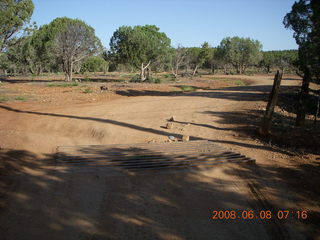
(20, 98)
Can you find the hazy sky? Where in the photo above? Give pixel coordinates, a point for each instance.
(186, 22)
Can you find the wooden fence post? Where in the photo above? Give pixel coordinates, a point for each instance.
(273, 98)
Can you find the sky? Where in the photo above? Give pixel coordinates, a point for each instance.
(186, 22)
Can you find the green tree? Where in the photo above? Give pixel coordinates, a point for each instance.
(219, 60)
(42, 46)
(14, 14)
(240, 52)
(198, 56)
(61, 44)
(281, 59)
(74, 43)
(304, 20)
(139, 46)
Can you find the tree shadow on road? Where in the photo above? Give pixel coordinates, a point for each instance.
(53, 203)
(238, 93)
(291, 188)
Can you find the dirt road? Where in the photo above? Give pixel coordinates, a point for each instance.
(45, 202)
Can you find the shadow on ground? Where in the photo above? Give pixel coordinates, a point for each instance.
(240, 93)
(303, 194)
(44, 202)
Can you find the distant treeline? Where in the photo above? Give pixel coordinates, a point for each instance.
(37, 53)
(71, 46)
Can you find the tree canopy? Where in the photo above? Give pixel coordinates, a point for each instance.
(240, 52)
(304, 20)
(280, 59)
(74, 43)
(14, 14)
(139, 46)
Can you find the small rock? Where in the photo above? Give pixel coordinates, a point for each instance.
(169, 125)
(185, 138)
(172, 138)
(172, 119)
(103, 88)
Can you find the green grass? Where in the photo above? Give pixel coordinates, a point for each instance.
(20, 98)
(3, 99)
(236, 82)
(187, 88)
(239, 83)
(63, 84)
(86, 90)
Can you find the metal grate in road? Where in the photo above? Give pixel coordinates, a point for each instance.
(146, 156)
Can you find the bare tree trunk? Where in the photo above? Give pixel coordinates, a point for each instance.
(317, 109)
(142, 76)
(195, 70)
(68, 70)
(301, 106)
(174, 72)
(71, 71)
(244, 69)
(143, 68)
(273, 98)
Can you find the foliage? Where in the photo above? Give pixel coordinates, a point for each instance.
(304, 20)
(139, 46)
(63, 84)
(240, 52)
(3, 99)
(205, 54)
(74, 43)
(281, 59)
(20, 98)
(187, 88)
(94, 64)
(14, 14)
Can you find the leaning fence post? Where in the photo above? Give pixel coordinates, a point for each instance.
(273, 98)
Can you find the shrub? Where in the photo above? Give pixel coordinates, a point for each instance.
(3, 99)
(20, 98)
(157, 81)
(135, 78)
(63, 84)
(186, 88)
